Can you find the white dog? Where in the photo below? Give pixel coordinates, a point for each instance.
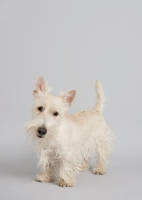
(66, 142)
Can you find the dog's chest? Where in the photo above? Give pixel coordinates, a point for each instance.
(51, 153)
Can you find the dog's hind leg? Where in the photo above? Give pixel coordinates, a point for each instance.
(84, 166)
(103, 149)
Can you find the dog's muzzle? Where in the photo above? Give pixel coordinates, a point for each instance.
(41, 132)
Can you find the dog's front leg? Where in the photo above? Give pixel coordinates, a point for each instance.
(66, 175)
(46, 175)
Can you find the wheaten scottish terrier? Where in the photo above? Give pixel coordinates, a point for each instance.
(65, 142)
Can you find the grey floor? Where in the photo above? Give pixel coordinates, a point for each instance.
(123, 181)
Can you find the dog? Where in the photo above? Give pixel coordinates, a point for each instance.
(65, 143)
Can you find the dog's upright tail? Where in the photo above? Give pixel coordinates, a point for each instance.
(100, 98)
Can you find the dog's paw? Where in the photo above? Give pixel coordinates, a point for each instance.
(84, 167)
(63, 183)
(98, 171)
(42, 178)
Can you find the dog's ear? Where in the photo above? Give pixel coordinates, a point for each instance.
(41, 86)
(68, 97)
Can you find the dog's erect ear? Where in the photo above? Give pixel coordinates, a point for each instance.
(41, 86)
(68, 97)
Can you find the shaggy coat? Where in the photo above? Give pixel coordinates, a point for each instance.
(66, 142)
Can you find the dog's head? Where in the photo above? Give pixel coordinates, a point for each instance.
(48, 110)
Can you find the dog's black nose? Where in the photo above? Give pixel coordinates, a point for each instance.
(42, 131)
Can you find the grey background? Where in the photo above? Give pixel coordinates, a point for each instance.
(71, 43)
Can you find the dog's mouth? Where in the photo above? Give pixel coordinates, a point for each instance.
(39, 136)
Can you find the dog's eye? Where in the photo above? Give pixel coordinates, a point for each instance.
(40, 108)
(55, 113)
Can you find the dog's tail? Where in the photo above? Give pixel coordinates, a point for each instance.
(100, 98)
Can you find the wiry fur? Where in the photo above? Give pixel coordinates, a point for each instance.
(70, 139)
